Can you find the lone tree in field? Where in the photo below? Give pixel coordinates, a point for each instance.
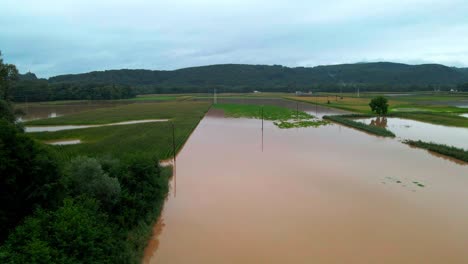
(379, 105)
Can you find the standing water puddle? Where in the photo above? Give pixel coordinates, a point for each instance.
(29, 129)
(309, 195)
(415, 130)
(64, 142)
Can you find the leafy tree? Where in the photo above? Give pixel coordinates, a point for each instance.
(142, 185)
(6, 111)
(379, 105)
(77, 232)
(29, 176)
(8, 74)
(86, 176)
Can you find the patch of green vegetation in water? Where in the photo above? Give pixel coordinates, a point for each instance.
(300, 123)
(283, 117)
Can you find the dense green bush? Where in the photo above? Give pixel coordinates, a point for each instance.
(77, 232)
(6, 111)
(29, 176)
(143, 185)
(85, 176)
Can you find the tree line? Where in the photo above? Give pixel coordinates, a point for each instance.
(42, 90)
(382, 76)
(121, 84)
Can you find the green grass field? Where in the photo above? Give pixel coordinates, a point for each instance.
(157, 97)
(118, 141)
(270, 112)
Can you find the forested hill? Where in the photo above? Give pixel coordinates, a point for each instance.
(119, 84)
(238, 76)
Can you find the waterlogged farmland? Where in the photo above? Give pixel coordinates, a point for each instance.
(123, 129)
(243, 194)
(415, 130)
(327, 194)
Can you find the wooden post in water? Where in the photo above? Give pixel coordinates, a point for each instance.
(173, 142)
(316, 102)
(262, 117)
(174, 153)
(297, 111)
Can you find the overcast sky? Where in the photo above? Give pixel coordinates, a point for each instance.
(51, 37)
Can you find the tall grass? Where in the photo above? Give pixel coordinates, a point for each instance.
(457, 153)
(345, 120)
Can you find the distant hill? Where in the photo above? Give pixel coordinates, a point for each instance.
(238, 77)
(119, 84)
(29, 76)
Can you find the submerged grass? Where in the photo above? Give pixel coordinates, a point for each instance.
(283, 117)
(346, 120)
(298, 124)
(450, 151)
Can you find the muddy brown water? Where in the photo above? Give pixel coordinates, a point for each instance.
(310, 195)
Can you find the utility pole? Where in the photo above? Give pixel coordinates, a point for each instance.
(297, 111)
(174, 153)
(215, 98)
(173, 142)
(262, 128)
(262, 117)
(316, 102)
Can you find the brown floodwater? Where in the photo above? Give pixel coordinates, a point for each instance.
(309, 195)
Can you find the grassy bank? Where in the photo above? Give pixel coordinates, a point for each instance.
(283, 117)
(345, 120)
(457, 153)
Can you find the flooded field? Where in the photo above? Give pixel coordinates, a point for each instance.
(415, 130)
(30, 129)
(34, 111)
(306, 107)
(309, 195)
(64, 142)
